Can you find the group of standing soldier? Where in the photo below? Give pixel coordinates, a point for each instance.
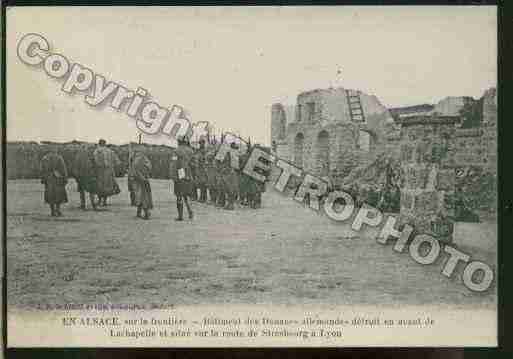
(218, 183)
(196, 173)
(93, 169)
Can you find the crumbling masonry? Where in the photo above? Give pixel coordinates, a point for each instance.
(331, 132)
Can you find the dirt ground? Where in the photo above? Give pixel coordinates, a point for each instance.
(280, 254)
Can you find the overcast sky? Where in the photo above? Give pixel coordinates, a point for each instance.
(228, 65)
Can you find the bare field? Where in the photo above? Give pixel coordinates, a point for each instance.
(280, 254)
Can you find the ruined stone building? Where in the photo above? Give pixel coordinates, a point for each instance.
(332, 129)
(334, 133)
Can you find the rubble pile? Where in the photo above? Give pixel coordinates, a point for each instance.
(376, 183)
(476, 190)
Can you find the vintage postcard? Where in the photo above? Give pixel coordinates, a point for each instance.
(251, 176)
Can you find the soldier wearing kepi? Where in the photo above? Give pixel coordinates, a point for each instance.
(140, 173)
(193, 195)
(180, 173)
(201, 171)
(230, 180)
(211, 177)
(258, 187)
(219, 183)
(105, 162)
(131, 179)
(54, 176)
(84, 172)
(250, 185)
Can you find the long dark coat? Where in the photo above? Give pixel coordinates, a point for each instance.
(84, 171)
(54, 176)
(140, 173)
(181, 160)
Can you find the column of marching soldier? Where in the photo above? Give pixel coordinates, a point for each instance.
(196, 173)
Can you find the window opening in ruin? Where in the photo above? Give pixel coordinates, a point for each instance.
(310, 106)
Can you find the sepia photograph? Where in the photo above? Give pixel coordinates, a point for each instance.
(251, 176)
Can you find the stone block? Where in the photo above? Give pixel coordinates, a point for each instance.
(406, 201)
(442, 228)
(480, 235)
(445, 180)
(422, 223)
(421, 151)
(448, 204)
(427, 202)
(416, 177)
(407, 152)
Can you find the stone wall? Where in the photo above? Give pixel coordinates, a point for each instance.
(428, 176)
(477, 146)
(278, 123)
(304, 143)
(468, 147)
(471, 150)
(331, 105)
(490, 129)
(475, 151)
(282, 151)
(451, 105)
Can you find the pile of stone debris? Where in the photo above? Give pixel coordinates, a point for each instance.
(475, 191)
(377, 183)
